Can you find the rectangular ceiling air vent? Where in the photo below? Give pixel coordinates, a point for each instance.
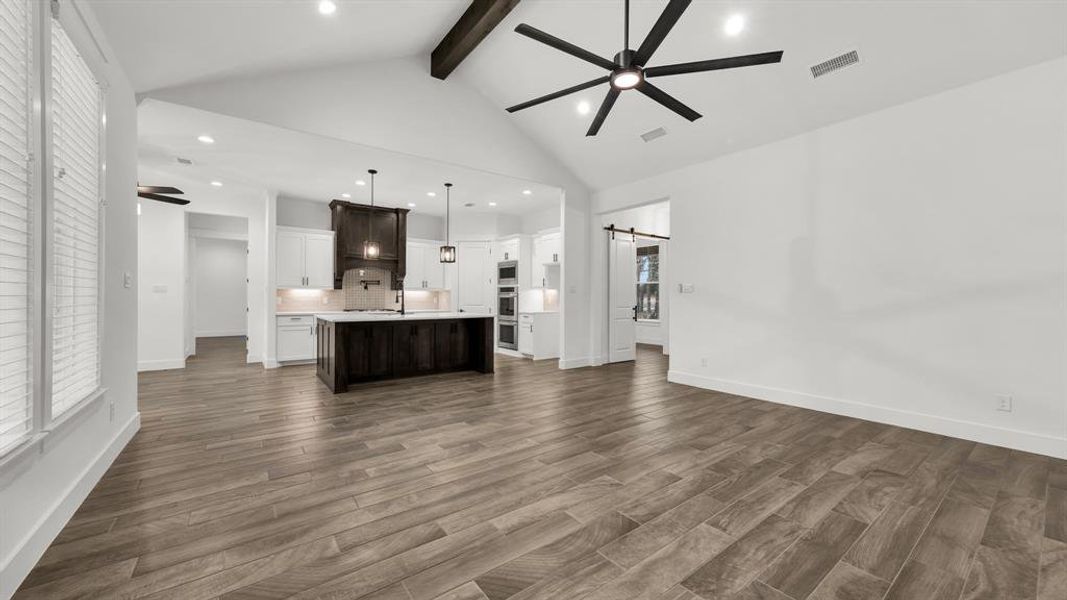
(184, 161)
(658, 132)
(834, 64)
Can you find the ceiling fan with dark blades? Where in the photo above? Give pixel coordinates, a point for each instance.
(629, 70)
(155, 192)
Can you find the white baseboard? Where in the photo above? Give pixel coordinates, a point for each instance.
(271, 364)
(976, 432)
(221, 333)
(575, 363)
(160, 365)
(33, 546)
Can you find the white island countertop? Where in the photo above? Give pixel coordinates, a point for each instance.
(358, 317)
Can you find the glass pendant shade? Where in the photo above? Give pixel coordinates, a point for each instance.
(448, 254)
(371, 249)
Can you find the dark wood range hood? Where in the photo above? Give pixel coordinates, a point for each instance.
(352, 225)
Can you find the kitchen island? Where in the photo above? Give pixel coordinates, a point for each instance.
(355, 347)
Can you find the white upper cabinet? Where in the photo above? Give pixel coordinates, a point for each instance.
(508, 249)
(319, 260)
(414, 275)
(290, 251)
(304, 258)
(424, 269)
(546, 252)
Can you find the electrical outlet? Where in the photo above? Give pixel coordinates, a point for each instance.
(1004, 403)
(325, 300)
(127, 279)
(704, 362)
(686, 288)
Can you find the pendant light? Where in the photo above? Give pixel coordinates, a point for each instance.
(448, 252)
(371, 248)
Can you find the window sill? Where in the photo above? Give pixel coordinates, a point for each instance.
(18, 457)
(651, 321)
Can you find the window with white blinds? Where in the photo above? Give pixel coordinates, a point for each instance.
(76, 226)
(16, 225)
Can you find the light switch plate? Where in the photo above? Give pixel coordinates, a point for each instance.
(127, 279)
(686, 288)
(159, 289)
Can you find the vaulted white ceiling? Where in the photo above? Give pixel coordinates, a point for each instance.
(167, 43)
(907, 50)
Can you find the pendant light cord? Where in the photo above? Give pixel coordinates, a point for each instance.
(626, 26)
(370, 224)
(448, 214)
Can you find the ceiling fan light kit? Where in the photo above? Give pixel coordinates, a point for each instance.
(629, 70)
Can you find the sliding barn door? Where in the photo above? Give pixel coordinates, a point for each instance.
(622, 298)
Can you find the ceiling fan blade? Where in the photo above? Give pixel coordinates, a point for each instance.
(605, 108)
(560, 94)
(748, 60)
(158, 189)
(667, 100)
(167, 199)
(564, 46)
(659, 31)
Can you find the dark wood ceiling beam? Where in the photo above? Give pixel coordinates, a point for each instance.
(480, 18)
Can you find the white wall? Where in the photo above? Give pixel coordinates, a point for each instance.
(907, 266)
(425, 227)
(41, 489)
(234, 226)
(220, 292)
(161, 286)
(295, 212)
(541, 220)
(396, 105)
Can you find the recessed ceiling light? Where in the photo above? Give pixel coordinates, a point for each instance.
(431, 194)
(216, 183)
(327, 7)
(411, 205)
(734, 25)
(584, 107)
(360, 182)
(526, 192)
(346, 195)
(206, 139)
(492, 204)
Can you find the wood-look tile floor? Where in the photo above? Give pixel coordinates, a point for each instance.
(537, 483)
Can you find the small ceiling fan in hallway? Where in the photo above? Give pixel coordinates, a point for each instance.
(629, 70)
(155, 192)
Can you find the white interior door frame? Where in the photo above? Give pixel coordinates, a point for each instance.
(622, 297)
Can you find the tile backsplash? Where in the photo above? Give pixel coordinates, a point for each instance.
(298, 300)
(375, 296)
(354, 297)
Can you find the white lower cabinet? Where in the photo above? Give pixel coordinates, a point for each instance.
(539, 334)
(296, 338)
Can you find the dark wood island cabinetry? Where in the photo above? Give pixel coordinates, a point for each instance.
(353, 349)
